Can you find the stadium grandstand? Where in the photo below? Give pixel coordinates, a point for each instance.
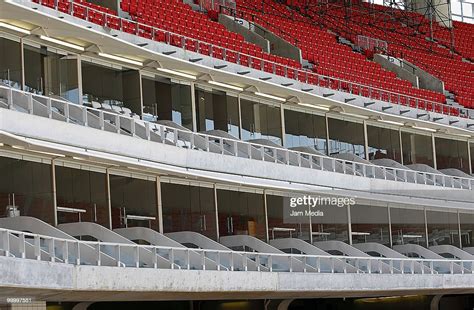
(236, 154)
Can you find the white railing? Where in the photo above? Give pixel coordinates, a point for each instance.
(115, 122)
(216, 4)
(372, 44)
(305, 76)
(23, 245)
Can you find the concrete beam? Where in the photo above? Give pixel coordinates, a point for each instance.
(48, 281)
(234, 25)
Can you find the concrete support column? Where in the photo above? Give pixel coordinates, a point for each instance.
(159, 204)
(217, 212)
(193, 107)
(53, 193)
(267, 237)
(109, 198)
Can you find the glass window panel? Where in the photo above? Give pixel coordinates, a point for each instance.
(164, 99)
(466, 221)
(442, 228)
(82, 190)
(10, 62)
(346, 137)
(333, 225)
(260, 121)
(217, 111)
(408, 226)
(51, 74)
(189, 208)
(34, 69)
(241, 213)
(452, 154)
(108, 85)
(135, 197)
(276, 224)
(304, 129)
(31, 184)
(370, 224)
(417, 149)
(383, 143)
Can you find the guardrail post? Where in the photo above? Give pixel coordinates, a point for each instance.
(188, 263)
(155, 258)
(221, 145)
(171, 258)
(51, 251)
(10, 98)
(97, 252)
(235, 146)
(78, 250)
(66, 113)
(117, 251)
(101, 120)
(37, 247)
(175, 136)
(137, 256)
(245, 261)
(30, 103)
(22, 246)
(203, 259)
(117, 123)
(147, 131)
(48, 107)
(6, 242)
(65, 252)
(132, 127)
(84, 117)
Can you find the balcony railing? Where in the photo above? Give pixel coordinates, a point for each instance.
(194, 45)
(115, 122)
(23, 245)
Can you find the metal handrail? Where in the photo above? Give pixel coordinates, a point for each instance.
(59, 250)
(297, 74)
(122, 124)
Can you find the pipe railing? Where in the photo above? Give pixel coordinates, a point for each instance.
(113, 121)
(304, 76)
(24, 245)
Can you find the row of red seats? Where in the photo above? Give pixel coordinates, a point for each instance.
(209, 31)
(316, 44)
(234, 43)
(254, 62)
(404, 42)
